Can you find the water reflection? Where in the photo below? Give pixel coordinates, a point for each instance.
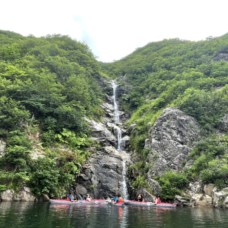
(207, 216)
(37, 215)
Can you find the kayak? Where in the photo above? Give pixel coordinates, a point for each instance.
(138, 203)
(118, 204)
(166, 205)
(78, 202)
(105, 202)
(149, 204)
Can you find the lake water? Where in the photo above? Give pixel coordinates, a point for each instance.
(44, 215)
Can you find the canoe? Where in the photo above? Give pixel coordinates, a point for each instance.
(149, 204)
(105, 202)
(78, 202)
(118, 204)
(138, 203)
(166, 205)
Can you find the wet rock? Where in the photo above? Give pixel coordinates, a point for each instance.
(195, 187)
(7, 195)
(101, 133)
(208, 189)
(182, 201)
(201, 200)
(220, 198)
(81, 190)
(103, 174)
(24, 195)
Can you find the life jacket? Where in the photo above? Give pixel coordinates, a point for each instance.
(115, 199)
(120, 200)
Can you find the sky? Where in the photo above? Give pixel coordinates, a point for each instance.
(114, 29)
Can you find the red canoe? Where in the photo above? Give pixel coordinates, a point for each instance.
(78, 202)
(138, 203)
(166, 205)
(149, 204)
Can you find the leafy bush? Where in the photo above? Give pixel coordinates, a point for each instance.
(216, 172)
(45, 177)
(206, 156)
(139, 182)
(172, 183)
(17, 156)
(3, 187)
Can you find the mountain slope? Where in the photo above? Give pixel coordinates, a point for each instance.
(189, 76)
(47, 86)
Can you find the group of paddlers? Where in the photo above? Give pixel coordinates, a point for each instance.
(140, 198)
(72, 197)
(116, 199)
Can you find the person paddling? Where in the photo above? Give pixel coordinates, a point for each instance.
(88, 197)
(140, 198)
(157, 200)
(120, 199)
(70, 197)
(115, 198)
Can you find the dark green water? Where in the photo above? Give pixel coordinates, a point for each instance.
(47, 216)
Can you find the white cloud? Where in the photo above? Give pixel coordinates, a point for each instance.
(115, 28)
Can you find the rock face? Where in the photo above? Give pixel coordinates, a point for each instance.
(102, 176)
(104, 173)
(24, 195)
(207, 196)
(223, 56)
(171, 138)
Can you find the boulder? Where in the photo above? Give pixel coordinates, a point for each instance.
(7, 195)
(182, 201)
(208, 189)
(24, 195)
(81, 190)
(195, 188)
(171, 139)
(101, 133)
(201, 200)
(220, 198)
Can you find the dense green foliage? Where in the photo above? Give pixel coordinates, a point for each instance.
(210, 161)
(191, 76)
(47, 86)
(174, 73)
(172, 183)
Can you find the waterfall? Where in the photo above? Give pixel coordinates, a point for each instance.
(124, 183)
(116, 117)
(115, 105)
(118, 129)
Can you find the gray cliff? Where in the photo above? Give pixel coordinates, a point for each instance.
(171, 139)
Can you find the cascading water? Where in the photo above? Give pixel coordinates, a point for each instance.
(116, 108)
(124, 183)
(118, 129)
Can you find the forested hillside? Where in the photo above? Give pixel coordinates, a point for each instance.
(47, 86)
(190, 76)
